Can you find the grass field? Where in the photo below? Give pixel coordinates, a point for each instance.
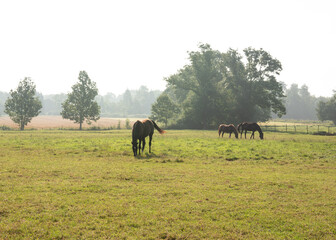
(87, 185)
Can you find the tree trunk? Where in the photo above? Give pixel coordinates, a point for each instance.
(21, 126)
(80, 126)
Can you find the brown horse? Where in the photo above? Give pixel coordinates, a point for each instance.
(247, 126)
(223, 128)
(142, 129)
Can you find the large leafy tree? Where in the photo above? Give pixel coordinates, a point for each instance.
(327, 110)
(228, 87)
(262, 69)
(23, 104)
(200, 79)
(80, 105)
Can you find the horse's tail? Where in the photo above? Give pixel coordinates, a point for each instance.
(219, 130)
(157, 128)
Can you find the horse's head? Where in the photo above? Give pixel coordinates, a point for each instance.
(239, 127)
(261, 135)
(135, 147)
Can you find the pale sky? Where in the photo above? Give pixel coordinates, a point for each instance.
(125, 44)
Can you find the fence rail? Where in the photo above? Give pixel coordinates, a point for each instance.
(300, 128)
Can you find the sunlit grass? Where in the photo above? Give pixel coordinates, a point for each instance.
(87, 185)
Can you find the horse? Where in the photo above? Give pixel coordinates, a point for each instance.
(142, 129)
(223, 128)
(247, 126)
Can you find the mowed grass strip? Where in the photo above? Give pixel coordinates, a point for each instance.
(87, 185)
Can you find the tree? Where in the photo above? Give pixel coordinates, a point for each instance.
(327, 110)
(23, 104)
(224, 87)
(261, 70)
(164, 109)
(200, 79)
(80, 105)
(300, 104)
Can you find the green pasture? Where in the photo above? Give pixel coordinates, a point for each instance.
(87, 185)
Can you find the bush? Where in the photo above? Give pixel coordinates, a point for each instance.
(5, 128)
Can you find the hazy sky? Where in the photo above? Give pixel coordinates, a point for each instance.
(125, 44)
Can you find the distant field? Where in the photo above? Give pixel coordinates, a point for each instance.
(56, 122)
(87, 185)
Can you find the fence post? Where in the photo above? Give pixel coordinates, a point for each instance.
(294, 128)
(307, 129)
(328, 129)
(286, 127)
(318, 128)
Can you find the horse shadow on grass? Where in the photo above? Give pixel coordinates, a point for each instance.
(147, 156)
(231, 159)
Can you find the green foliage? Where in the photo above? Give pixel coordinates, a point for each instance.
(23, 104)
(87, 185)
(80, 105)
(164, 109)
(327, 110)
(218, 87)
(5, 128)
(266, 92)
(136, 105)
(201, 79)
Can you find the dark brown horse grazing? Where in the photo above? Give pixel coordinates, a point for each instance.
(247, 126)
(223, 128)
(142, 129)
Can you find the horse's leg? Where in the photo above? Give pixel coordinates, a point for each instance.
(150, 143)
(252, 135)
(139, 146)
(143, 144)
(245, 133)
(230, 135)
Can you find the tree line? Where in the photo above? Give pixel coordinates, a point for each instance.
(231, 87)
(132, 103)
(214, 88)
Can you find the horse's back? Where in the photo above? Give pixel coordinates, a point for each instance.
(148, 127)
(138, 130)
(227, 127)
(250, 126)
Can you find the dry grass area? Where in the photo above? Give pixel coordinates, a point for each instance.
(55, 122)
(279, 123)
